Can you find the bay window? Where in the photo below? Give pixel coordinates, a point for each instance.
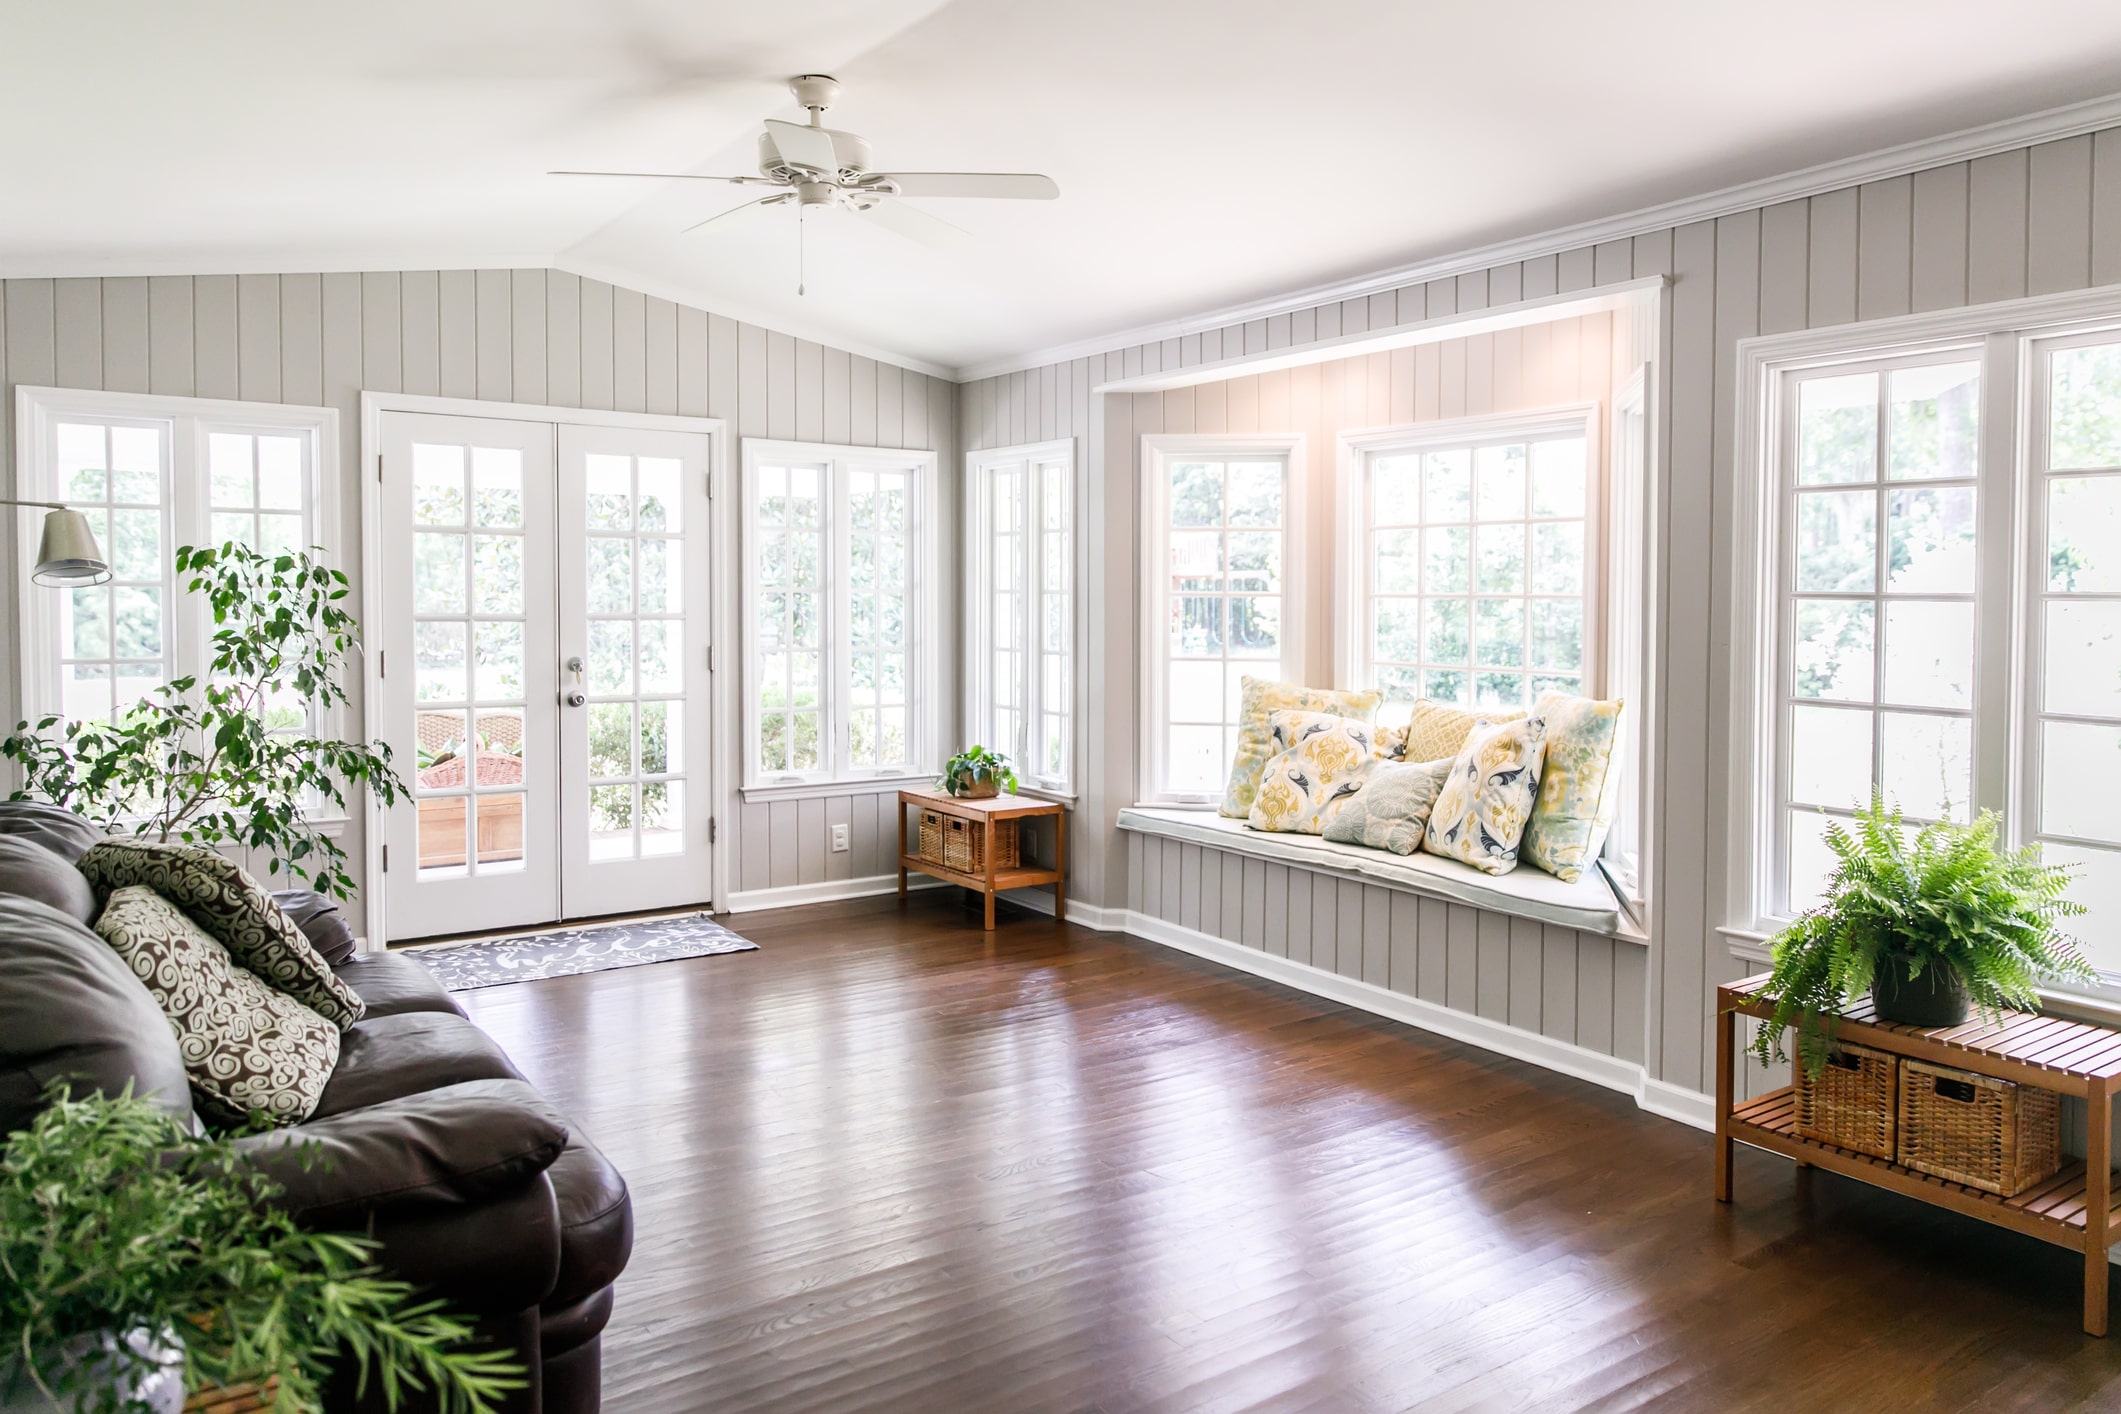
(1222, 579)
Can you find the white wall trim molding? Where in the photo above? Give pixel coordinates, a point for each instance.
(1660, 1098)
(2050, 125)
(830, 891)
(1080, 914)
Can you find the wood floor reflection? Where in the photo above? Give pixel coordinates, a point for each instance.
(887, 1162)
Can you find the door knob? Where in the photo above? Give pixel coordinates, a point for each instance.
(575, 697)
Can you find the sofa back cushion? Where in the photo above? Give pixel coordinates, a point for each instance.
(54, 826)
(235, 910)
(247, 1049)
(70, 1009)
(29, 870)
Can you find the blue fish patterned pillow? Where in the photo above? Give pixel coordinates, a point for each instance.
(1481, 812)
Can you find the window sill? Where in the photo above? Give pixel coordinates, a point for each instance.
(846, 785)
(1587, 905)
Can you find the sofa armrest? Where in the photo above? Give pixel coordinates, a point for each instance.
(501, 1255)
(450, 1148)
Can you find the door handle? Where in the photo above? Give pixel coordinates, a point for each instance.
(575, 697)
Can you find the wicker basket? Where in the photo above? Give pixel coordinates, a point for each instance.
(1851, 1102)
(1989, 1134)
(233, 1399)
(961, 844)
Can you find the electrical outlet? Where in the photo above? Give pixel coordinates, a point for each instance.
(839, 838)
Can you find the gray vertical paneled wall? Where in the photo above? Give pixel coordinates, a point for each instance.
(2030, 220)
(528, 336)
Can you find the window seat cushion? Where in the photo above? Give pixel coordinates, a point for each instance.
(1524, 892)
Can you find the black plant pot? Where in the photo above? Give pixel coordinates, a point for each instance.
(1936, 997)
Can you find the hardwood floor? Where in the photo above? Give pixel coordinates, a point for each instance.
(888, 1162)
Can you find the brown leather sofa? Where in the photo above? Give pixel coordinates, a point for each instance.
(432, 1142)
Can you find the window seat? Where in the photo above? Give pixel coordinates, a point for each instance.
(1524, 892)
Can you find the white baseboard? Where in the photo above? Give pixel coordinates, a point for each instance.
(1630, 1077)
(1083, 915)
(829, 891)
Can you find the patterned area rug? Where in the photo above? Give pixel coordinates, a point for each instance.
(491, 962)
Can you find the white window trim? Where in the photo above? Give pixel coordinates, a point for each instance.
(923, 564)
(1629, 519)
(979, 603)
(1157, 451)
(1351, 649)
(37, 409)
(2001, 335)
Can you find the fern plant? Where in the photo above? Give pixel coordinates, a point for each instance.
(1943, 896)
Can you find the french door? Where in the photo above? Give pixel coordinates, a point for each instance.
(543, 678)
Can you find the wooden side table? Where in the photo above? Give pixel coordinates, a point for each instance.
(987, 813)
(2074, 1209)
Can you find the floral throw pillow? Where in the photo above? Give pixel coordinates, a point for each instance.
(1393, 806)
(1321, 765)
(1262, 698)
(1577, 784)
(235, 910)
(1433, 733)
(1481, 811)
(247, 1048)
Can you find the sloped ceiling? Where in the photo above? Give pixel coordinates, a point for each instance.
(1208, 151)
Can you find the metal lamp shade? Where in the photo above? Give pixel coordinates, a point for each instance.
(68, 555)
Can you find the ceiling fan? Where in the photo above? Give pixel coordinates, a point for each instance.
(813, 167)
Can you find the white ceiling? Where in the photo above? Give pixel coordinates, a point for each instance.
(1208, 151)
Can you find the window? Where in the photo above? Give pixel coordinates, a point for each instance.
(1222, 575)
(1474, 560)
(1935, 608)
(839, 660)
(1020, 619)
(151, 474)
(1880, 544)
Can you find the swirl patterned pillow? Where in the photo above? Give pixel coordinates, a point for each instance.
(1433, 733)
(247, 1049)
(1393, 806)
(1577, 784)
(234, 910)
(1320, 766)
(1481, 812)
(1264, 697)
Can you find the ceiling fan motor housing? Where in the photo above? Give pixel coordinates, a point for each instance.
(849, 150)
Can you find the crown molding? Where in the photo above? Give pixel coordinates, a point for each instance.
(2071, 120)
(678, 293)
(381, 259)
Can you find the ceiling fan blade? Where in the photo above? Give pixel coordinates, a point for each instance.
(1017, 186)
(775, 200)
(917, 225)
(669, 177)
(803, 147)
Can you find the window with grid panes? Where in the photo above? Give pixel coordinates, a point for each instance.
(1022, 624)
(152, 473)
(1477, 589)
(832, 543)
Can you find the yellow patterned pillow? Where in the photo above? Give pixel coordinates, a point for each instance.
(1480, 814)
(1321, 765)
(1263, 697)
(1434, 733)
(1577, 785)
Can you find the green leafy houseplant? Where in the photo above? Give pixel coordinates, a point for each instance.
(228, 760)
(1941, 903)
(113, 1220)
(976, 772)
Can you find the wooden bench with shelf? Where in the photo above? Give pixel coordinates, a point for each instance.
(2051, 1053)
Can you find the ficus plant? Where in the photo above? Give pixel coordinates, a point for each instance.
(1942, 896)
(114, 1220)
(229, 759)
